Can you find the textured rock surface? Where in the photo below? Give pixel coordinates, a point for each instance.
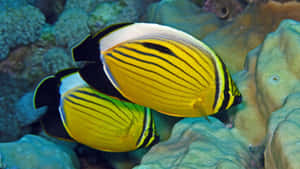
(271, 74)
(233, 41)
(196, 143)
(283, 142)
(191, 17)
(34, 152)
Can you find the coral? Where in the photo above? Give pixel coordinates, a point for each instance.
(197, 143)
(282, 150)
(99, 18)
(87, 5)
(271, 74)
(8, 4)
(191, 17)
(11, 90)
(33, 152)
(233, 41)
(56, 59)
(19, 26)
(51, 9)
(71, 27)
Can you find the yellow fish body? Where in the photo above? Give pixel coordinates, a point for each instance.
(93, 118)
(162, 68)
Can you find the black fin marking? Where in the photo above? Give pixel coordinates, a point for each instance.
(109, 29)
(89, 49)
(53, 125)
(65, 72)
(158, 47)
(46, 93)
(95, 76)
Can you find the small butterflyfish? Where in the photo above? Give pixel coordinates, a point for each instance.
(159, 67)
(80, 113)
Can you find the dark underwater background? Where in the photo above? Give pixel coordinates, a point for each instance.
(259, 41)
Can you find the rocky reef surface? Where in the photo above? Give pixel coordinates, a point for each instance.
(258, 41)
(37, 153)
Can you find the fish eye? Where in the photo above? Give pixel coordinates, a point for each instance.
(274, 79)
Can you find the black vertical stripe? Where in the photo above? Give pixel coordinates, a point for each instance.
(226, 88)
(144, 127)
(217, 94)
(150, 133)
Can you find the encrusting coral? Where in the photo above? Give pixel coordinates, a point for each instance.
(283, 141)
(271, 74)
(233, 41)
(29, 21)
(33, 152)
(197, 143)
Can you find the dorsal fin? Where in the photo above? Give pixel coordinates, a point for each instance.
(47, 94)
(88, 49)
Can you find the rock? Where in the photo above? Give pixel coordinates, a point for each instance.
(233, 41)
(197, 143)
(283, 141)
(34, 152)
(191, 18)
(271, 75)
(224, 9)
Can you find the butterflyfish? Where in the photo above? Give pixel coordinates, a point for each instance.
(159, 67)
(80, 113)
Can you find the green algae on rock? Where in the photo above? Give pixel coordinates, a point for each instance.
(197, 143)
(34, 152)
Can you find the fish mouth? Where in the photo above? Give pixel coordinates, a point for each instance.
(237, 100)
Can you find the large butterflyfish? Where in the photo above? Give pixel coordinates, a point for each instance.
(158, 67)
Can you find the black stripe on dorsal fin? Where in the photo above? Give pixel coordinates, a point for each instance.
(47, 91)
(88, 49)
(94, 75)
